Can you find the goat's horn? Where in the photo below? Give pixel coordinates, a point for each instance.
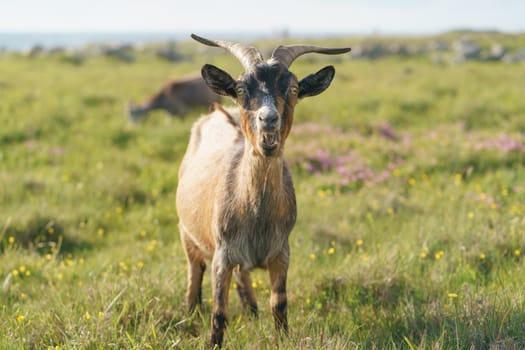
(248, 56)
(286, 54)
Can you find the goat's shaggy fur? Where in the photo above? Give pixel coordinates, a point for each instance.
(235, 199)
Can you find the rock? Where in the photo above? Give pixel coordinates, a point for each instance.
(496, 53)
(466, 50)
(369, 51)
(515, 57)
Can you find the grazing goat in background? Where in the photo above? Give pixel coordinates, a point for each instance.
(235, 198)
(176, 98)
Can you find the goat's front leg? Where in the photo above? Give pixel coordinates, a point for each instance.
(278, 269)
(221, 278)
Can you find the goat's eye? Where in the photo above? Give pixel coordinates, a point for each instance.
(240, 91)
(294, 90)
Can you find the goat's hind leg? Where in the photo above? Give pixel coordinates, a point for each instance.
(196, 267)
(245, 290)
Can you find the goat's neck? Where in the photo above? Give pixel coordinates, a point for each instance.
(154, 102)
(260, 177)
(141, 110)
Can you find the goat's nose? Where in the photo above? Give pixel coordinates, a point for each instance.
(269, 120)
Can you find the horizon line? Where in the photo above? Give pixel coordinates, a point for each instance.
(372, 31)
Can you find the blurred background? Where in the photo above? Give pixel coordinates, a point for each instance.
(62, 23)
(409, 173)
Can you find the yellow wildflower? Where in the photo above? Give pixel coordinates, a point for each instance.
(312, 256)
(123, 265)
(152, 245)
(517, 252)
(20, 318)
(458, 178)
(452, 295)
(482, 256)
(11, 240)
(359, 242)
(439, 255)
(331, 250)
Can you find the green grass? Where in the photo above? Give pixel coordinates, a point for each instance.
(414, 240)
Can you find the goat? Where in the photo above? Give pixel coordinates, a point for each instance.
(176, 97)
(235, 197)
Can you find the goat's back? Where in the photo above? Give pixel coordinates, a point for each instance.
(191, 92)
(213, 138)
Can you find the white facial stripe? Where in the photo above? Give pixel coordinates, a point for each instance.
(267, 106)
(268, 102)
(264, 110)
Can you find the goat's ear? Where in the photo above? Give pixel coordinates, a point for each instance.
(218, 80)
(316, 83)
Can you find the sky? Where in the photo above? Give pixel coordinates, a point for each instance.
(266, 16)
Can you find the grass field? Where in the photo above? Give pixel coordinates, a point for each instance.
(410, 179)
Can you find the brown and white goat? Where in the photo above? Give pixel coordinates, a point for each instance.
(235, 197)
(176, 98)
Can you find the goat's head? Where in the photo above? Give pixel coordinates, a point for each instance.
(135, 113)
(267, 91)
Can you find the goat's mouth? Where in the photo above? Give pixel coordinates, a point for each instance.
(269, 143)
